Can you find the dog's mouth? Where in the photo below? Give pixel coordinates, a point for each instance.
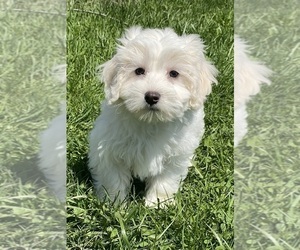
(152, 108)
(154, 114)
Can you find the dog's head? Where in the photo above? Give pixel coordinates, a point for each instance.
(158, 75)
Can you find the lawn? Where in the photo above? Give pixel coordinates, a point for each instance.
(31, 43)
(267, 179)
(203, 215)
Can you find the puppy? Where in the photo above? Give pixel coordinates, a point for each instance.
(52, 155)
(248, 76)
(152, 117)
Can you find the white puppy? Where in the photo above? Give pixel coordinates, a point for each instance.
(248, 76)
(52, 155)
(152, 118)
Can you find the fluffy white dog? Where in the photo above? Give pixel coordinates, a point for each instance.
(52, 155)
(152, 118)
(248, 76)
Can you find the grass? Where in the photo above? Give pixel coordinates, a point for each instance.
(267, 162)
(30, 45)
(203, 215)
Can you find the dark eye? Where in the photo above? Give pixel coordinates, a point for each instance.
(173, 73)
(139, 71)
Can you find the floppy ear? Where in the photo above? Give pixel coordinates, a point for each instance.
(248, 74)
(207, 76)
(204, 72)
(109, 75)
(109, 71)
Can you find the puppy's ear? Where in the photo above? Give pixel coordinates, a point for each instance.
(204, 72)
(207, 75)
(130, 34)
(248, 74)
(108, 74)
(108, 71)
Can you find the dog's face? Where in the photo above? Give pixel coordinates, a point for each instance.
(157, 75)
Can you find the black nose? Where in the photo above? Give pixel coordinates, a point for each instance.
(152, 97)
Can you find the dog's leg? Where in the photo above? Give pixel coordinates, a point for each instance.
(162, 187)
(113, 181)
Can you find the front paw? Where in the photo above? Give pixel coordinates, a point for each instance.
(113, 196)
(159, 200)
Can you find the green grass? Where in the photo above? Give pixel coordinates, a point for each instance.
(267, 161)
(203, 215)
(30, 45)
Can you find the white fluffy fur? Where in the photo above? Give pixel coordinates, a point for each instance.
(52, 154)
(248, 76)
(153, 143)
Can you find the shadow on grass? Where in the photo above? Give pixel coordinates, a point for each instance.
(83, 176)
(81, 172)
(28, 172)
